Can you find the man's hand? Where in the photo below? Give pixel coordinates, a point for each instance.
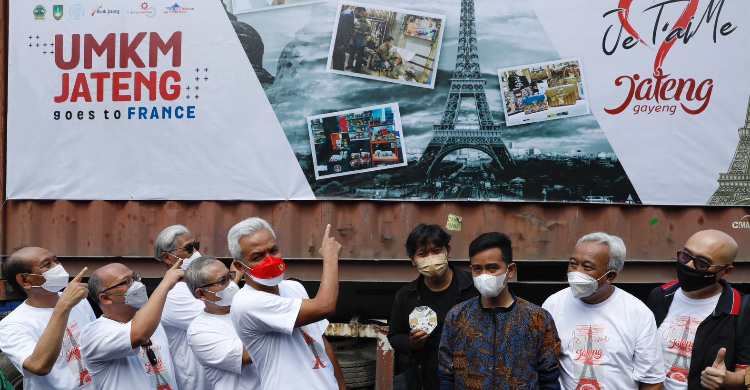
(75, 292)
(417, 338)
(330, 248)
(712, 378)
(174, 275)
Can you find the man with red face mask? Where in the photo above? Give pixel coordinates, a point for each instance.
(439, 287)
(281, 327)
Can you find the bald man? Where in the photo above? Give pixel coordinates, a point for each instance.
(42, 336)
(698, 317)
(126, 348)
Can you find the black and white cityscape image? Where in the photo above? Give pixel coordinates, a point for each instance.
(457, 144)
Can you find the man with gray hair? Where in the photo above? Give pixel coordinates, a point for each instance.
(171, 245)
(211, 335)
(279, 324)
(609, 338)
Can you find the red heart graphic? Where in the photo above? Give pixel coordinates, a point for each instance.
(687, 15)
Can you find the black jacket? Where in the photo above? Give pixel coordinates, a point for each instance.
(345, 29)
(719, 330)
(406, 300)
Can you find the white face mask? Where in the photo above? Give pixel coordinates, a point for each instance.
(186, 262)
(136, 295)
(226, 295)
(582, 285)
(55, 279)
(490, 286)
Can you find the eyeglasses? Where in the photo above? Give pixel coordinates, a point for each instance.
(225, 280)
(701, 265)
(127, 282)
(150, 353)
(189, 247)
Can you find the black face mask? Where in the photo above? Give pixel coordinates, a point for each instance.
(692, 279)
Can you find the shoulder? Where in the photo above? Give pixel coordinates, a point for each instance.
(404, 291)
(292, 289)
(463, 307)
(532, 309)
(99, 325)
(556, 299)
(201, 322)
(19, 314)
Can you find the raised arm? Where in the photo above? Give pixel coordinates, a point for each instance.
(145, 322)
(324, 303)
(47, 349)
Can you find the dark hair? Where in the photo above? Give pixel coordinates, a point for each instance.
(492, 240)
(424, 235)
(14, 265)
(360, 9)
(388, 38)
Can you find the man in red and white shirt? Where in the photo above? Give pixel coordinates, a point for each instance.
(609, 339)
(281, 327)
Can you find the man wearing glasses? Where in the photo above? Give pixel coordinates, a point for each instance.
(172, 244)
(41, 337)
(701, 319)
(211, 335)
(126, 348)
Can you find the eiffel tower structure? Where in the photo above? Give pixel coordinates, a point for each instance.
(588, 380)
(681, 366)
(734, 186)
(467, 82)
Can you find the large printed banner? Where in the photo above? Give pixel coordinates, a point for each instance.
(625, 101)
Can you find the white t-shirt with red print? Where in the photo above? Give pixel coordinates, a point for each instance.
(611, 345)
(677, 334)
(115, 365)
(287, 358)
(20, 332)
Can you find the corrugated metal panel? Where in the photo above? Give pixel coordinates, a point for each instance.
(368, 230)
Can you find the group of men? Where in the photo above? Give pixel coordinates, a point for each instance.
(351, 35)
(691, 334)
(199, 330)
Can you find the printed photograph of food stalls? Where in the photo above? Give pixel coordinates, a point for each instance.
(386, 44)
(543, 91)
(356, 141)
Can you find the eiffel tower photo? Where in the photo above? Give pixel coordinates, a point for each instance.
(467, 82)
(681, 365)
(734, 186)
(588, 380)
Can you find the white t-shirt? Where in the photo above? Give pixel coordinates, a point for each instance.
(115, 365)
(287, 357)
(218, 348)
(613, 343)
(180, 309)
(677, 334)
(19, 333)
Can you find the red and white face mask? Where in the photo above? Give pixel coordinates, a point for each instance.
(270, 271)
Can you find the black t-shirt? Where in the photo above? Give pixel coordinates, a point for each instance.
(441, 302)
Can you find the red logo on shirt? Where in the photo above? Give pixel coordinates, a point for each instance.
(313, 348)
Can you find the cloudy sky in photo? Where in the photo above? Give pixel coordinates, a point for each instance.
(508, 33)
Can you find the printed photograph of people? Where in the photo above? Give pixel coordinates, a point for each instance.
(544, 91)
(356, 141)
(386, 44)
(242, 6)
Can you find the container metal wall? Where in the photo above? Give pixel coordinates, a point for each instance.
(372, 233)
